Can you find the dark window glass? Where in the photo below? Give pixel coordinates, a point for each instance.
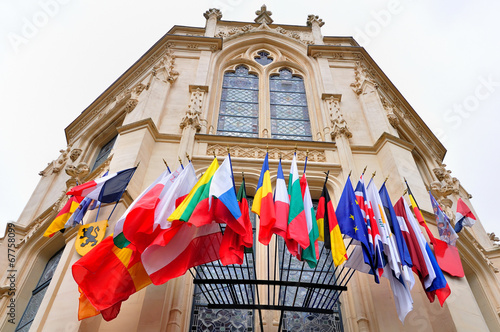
(218, 320)
(263, 58)
(38, 293)
(309, 321)
(289, 113)
(104, 153)
(239, 106)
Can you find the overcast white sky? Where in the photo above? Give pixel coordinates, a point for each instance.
(57, 56)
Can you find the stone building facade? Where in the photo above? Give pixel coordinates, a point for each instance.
(175, 102)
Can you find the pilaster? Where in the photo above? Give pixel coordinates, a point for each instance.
(339, 131)
(192, 122)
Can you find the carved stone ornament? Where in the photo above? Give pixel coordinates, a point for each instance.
(391, 112)
(75, 154)
(339, 125)
(314, 19)
(193, 112)
(263, 16)
(446, 185)
(260, 153)
(57, 164)
(164, 69)
(361, 77)
(213, 12)
(493, 238)
(130, 105)
(77, 172)
(301, 37)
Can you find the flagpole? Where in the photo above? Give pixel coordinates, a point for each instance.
(121, 193)
(166, 165)
(305, 163)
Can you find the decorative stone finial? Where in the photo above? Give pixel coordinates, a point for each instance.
(213, 12)
(314, 18)
(263, 15)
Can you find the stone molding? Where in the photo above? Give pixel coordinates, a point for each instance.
(140, 73)
(230, 32)
(240, 151)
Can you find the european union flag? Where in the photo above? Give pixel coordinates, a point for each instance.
(351, 222)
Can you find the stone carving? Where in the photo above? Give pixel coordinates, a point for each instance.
(75, 154)
(391, 112)
(260, 153)
(130, 105)
(263, 16)
(213, 12)
(193, 112)
(495, 239)
(339, 125)
(164, 69)
(314, 19)
(362, 76)
(235, 31)
(57, 164)
(446, 184)
(77, 172)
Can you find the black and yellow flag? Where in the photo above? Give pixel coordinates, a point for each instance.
(89, 236)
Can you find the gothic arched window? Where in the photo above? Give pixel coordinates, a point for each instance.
(239, 106)
(289, 114)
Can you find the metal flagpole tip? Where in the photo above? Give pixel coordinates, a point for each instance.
(188, 158)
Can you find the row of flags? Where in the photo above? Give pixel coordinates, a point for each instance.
(175, 224)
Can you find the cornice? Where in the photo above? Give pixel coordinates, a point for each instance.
(140, 69)
(271, 142)
(379, 144)
(410, 120)
(151, 127)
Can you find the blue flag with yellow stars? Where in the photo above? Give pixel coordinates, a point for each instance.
(351, 222)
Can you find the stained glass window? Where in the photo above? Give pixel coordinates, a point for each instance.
(204, 319)
(239, 106)
(263, 58)
(289, 113)
(38, 293)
